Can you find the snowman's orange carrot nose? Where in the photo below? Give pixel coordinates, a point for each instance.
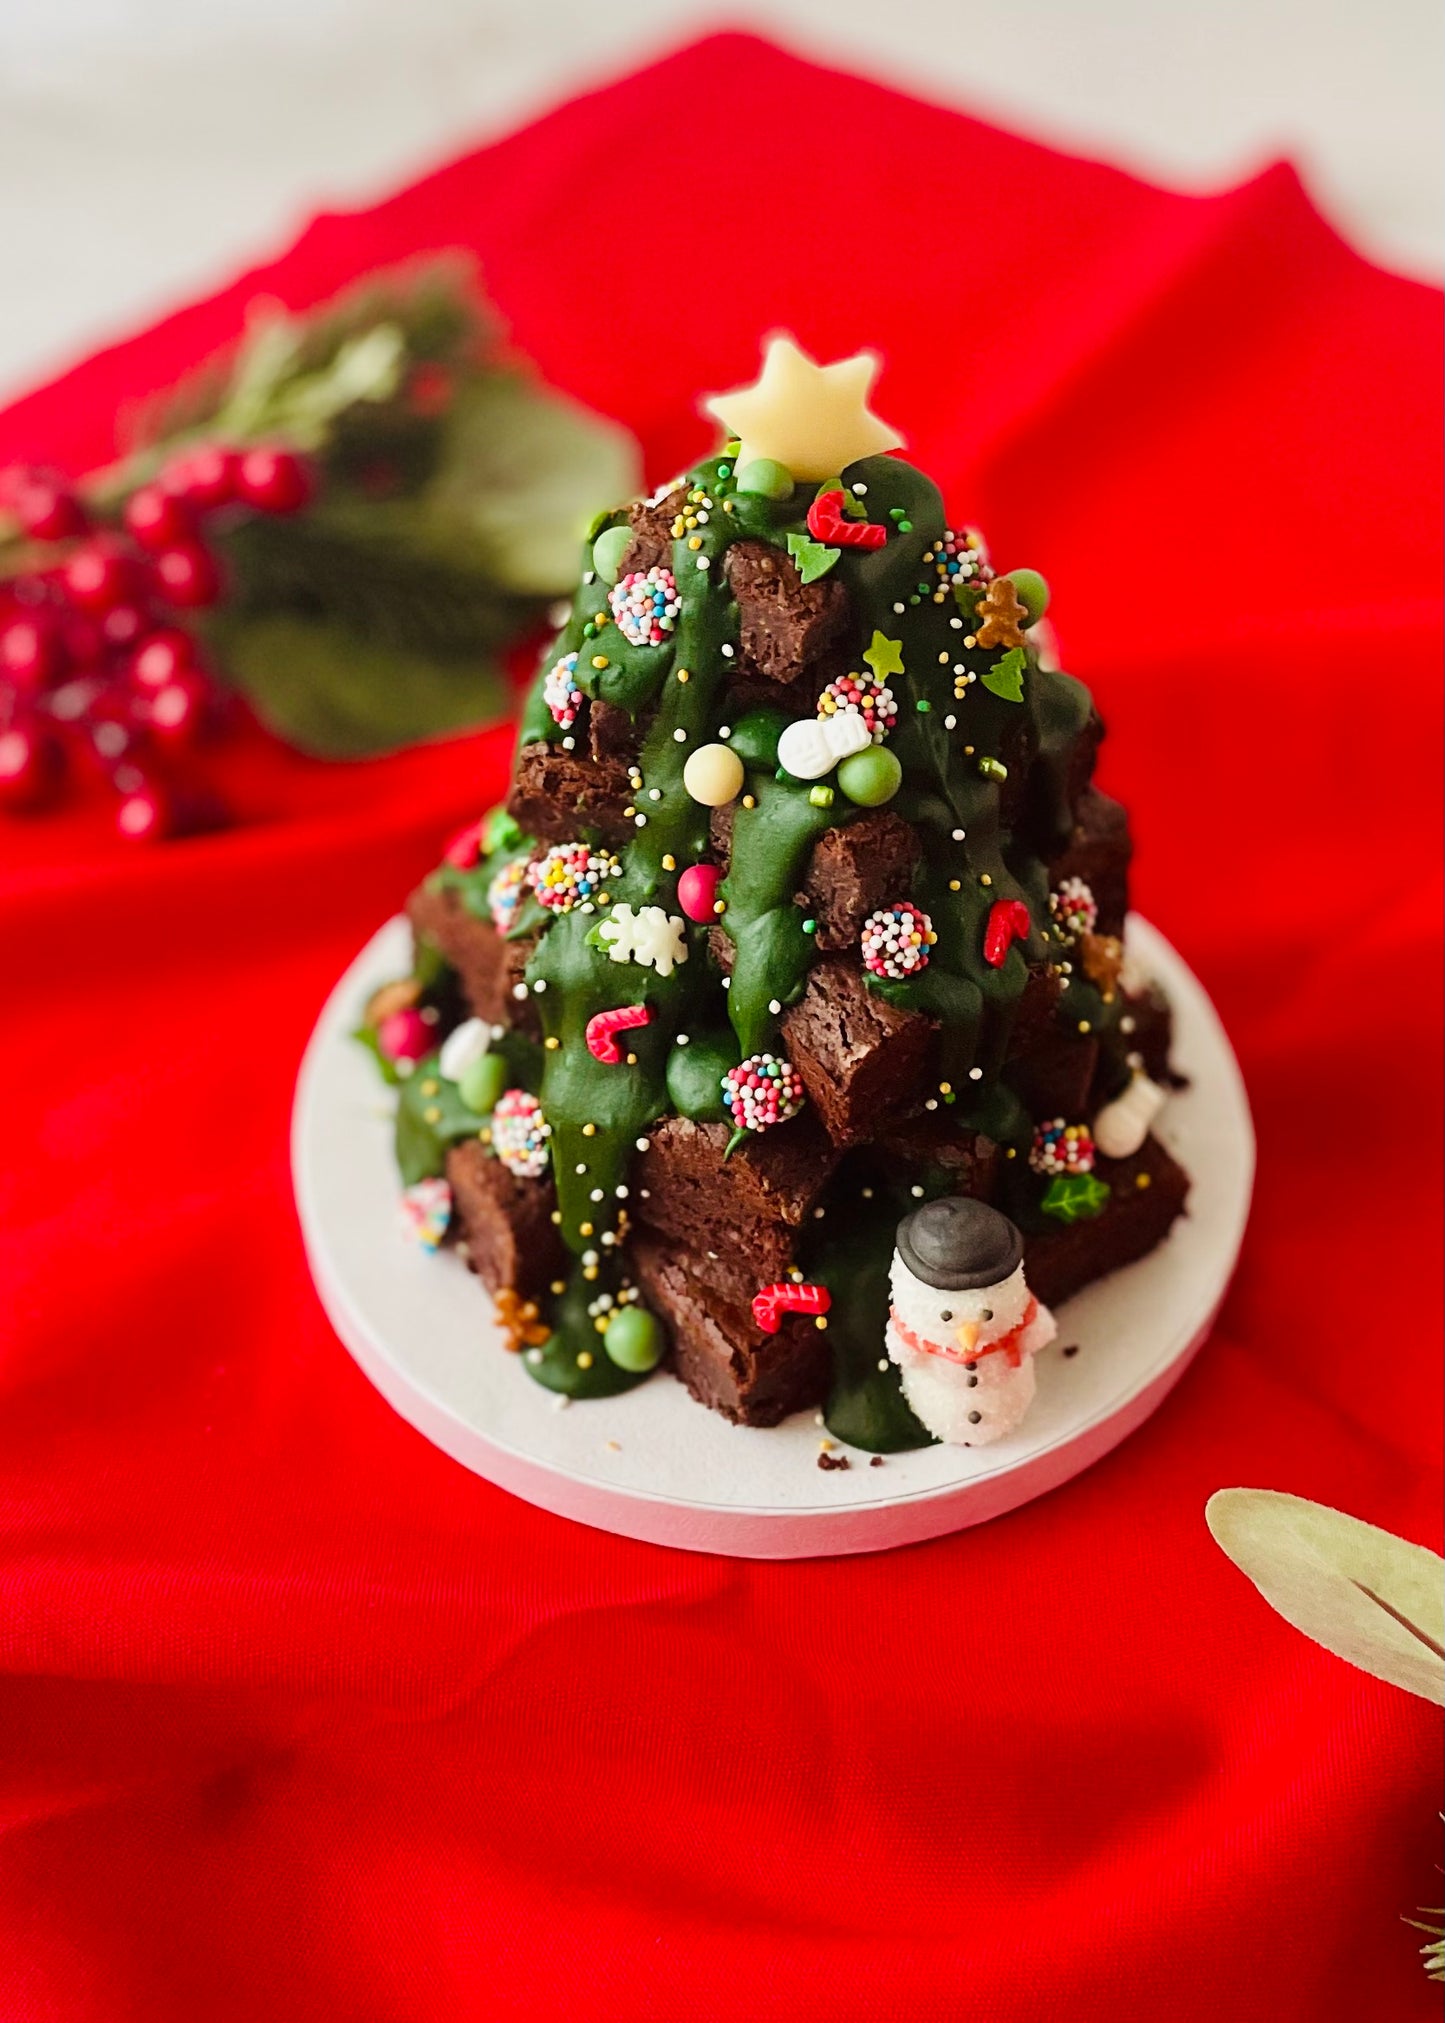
(966, 1334)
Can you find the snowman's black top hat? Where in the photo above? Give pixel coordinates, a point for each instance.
(957, 1244)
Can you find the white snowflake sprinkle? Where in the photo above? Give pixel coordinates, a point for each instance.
(647, 935)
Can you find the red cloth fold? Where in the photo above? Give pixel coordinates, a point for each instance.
(299, 1719)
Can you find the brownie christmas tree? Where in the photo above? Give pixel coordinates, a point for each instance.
(802, 910)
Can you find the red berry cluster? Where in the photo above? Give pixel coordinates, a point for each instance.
(95, 659)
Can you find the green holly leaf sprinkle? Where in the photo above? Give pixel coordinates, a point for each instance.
(852, 509)
(885, 656)
(1075, 1197)
(1006, 677)
(811, 558)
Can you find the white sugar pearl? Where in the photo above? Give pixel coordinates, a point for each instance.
(713, 775)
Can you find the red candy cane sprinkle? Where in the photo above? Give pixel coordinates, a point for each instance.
(773, 1301)
(603, 1028)
(1008, 922)
(826, 523)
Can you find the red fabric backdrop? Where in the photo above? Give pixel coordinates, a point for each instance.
(297, 1719)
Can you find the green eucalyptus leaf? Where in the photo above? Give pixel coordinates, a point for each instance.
(336, 695)
(524, 473)
(1371, 1598)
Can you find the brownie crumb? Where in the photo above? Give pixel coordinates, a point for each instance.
(1071, 1350)
(833, 1461)
(876, 1462)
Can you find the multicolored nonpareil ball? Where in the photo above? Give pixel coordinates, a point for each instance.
(957, 559)
(565, 877)
(896, 940)
(560, 691)
(762, 1091)
(866, 696)
(1061, 1147)
(504, 895)
(520, 1133)
(426, 1212)
(645, 606)
(1074, 906)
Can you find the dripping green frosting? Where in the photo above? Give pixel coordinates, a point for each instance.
(985, 738)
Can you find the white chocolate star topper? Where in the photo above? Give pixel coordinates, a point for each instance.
(814, 419)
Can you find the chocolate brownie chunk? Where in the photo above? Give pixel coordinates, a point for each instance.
(1098, 851)
(652, 536)
(856, 868)
(1036, 1008)
(611, 733)
(786, 624)
(861, 1059)
(932, 1148)
(558, 794)
(738, 1219)
(488, 966)
(1148, 1191)
(1054, 1077)
(505, 1222)
(722, 1356)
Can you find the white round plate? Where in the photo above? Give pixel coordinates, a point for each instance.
(652, 1463)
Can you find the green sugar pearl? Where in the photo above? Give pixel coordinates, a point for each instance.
(608, 550)
(482, 1083)
(1032, 592)
(633, 1340)
(766, 477)
(870, 778)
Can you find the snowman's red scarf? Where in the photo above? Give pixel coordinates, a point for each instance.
(1010, 1343)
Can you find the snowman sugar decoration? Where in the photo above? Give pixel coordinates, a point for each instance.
(963, 1326)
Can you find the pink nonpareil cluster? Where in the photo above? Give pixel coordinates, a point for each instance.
(762, 1091)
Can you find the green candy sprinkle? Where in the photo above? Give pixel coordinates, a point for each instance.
(820, 797)
(923, 705)
(870, 778)
(1032, 592)
(810, 927)
(633, 1340)
(766, 478)
(993, 769)
(482, 1082)
(608, 550)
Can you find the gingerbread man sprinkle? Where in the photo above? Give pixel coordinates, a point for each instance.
(999, 612)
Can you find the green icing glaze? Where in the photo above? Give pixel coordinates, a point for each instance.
(966, 751)
(866, 1406)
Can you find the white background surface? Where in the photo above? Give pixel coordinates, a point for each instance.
(149, 147)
